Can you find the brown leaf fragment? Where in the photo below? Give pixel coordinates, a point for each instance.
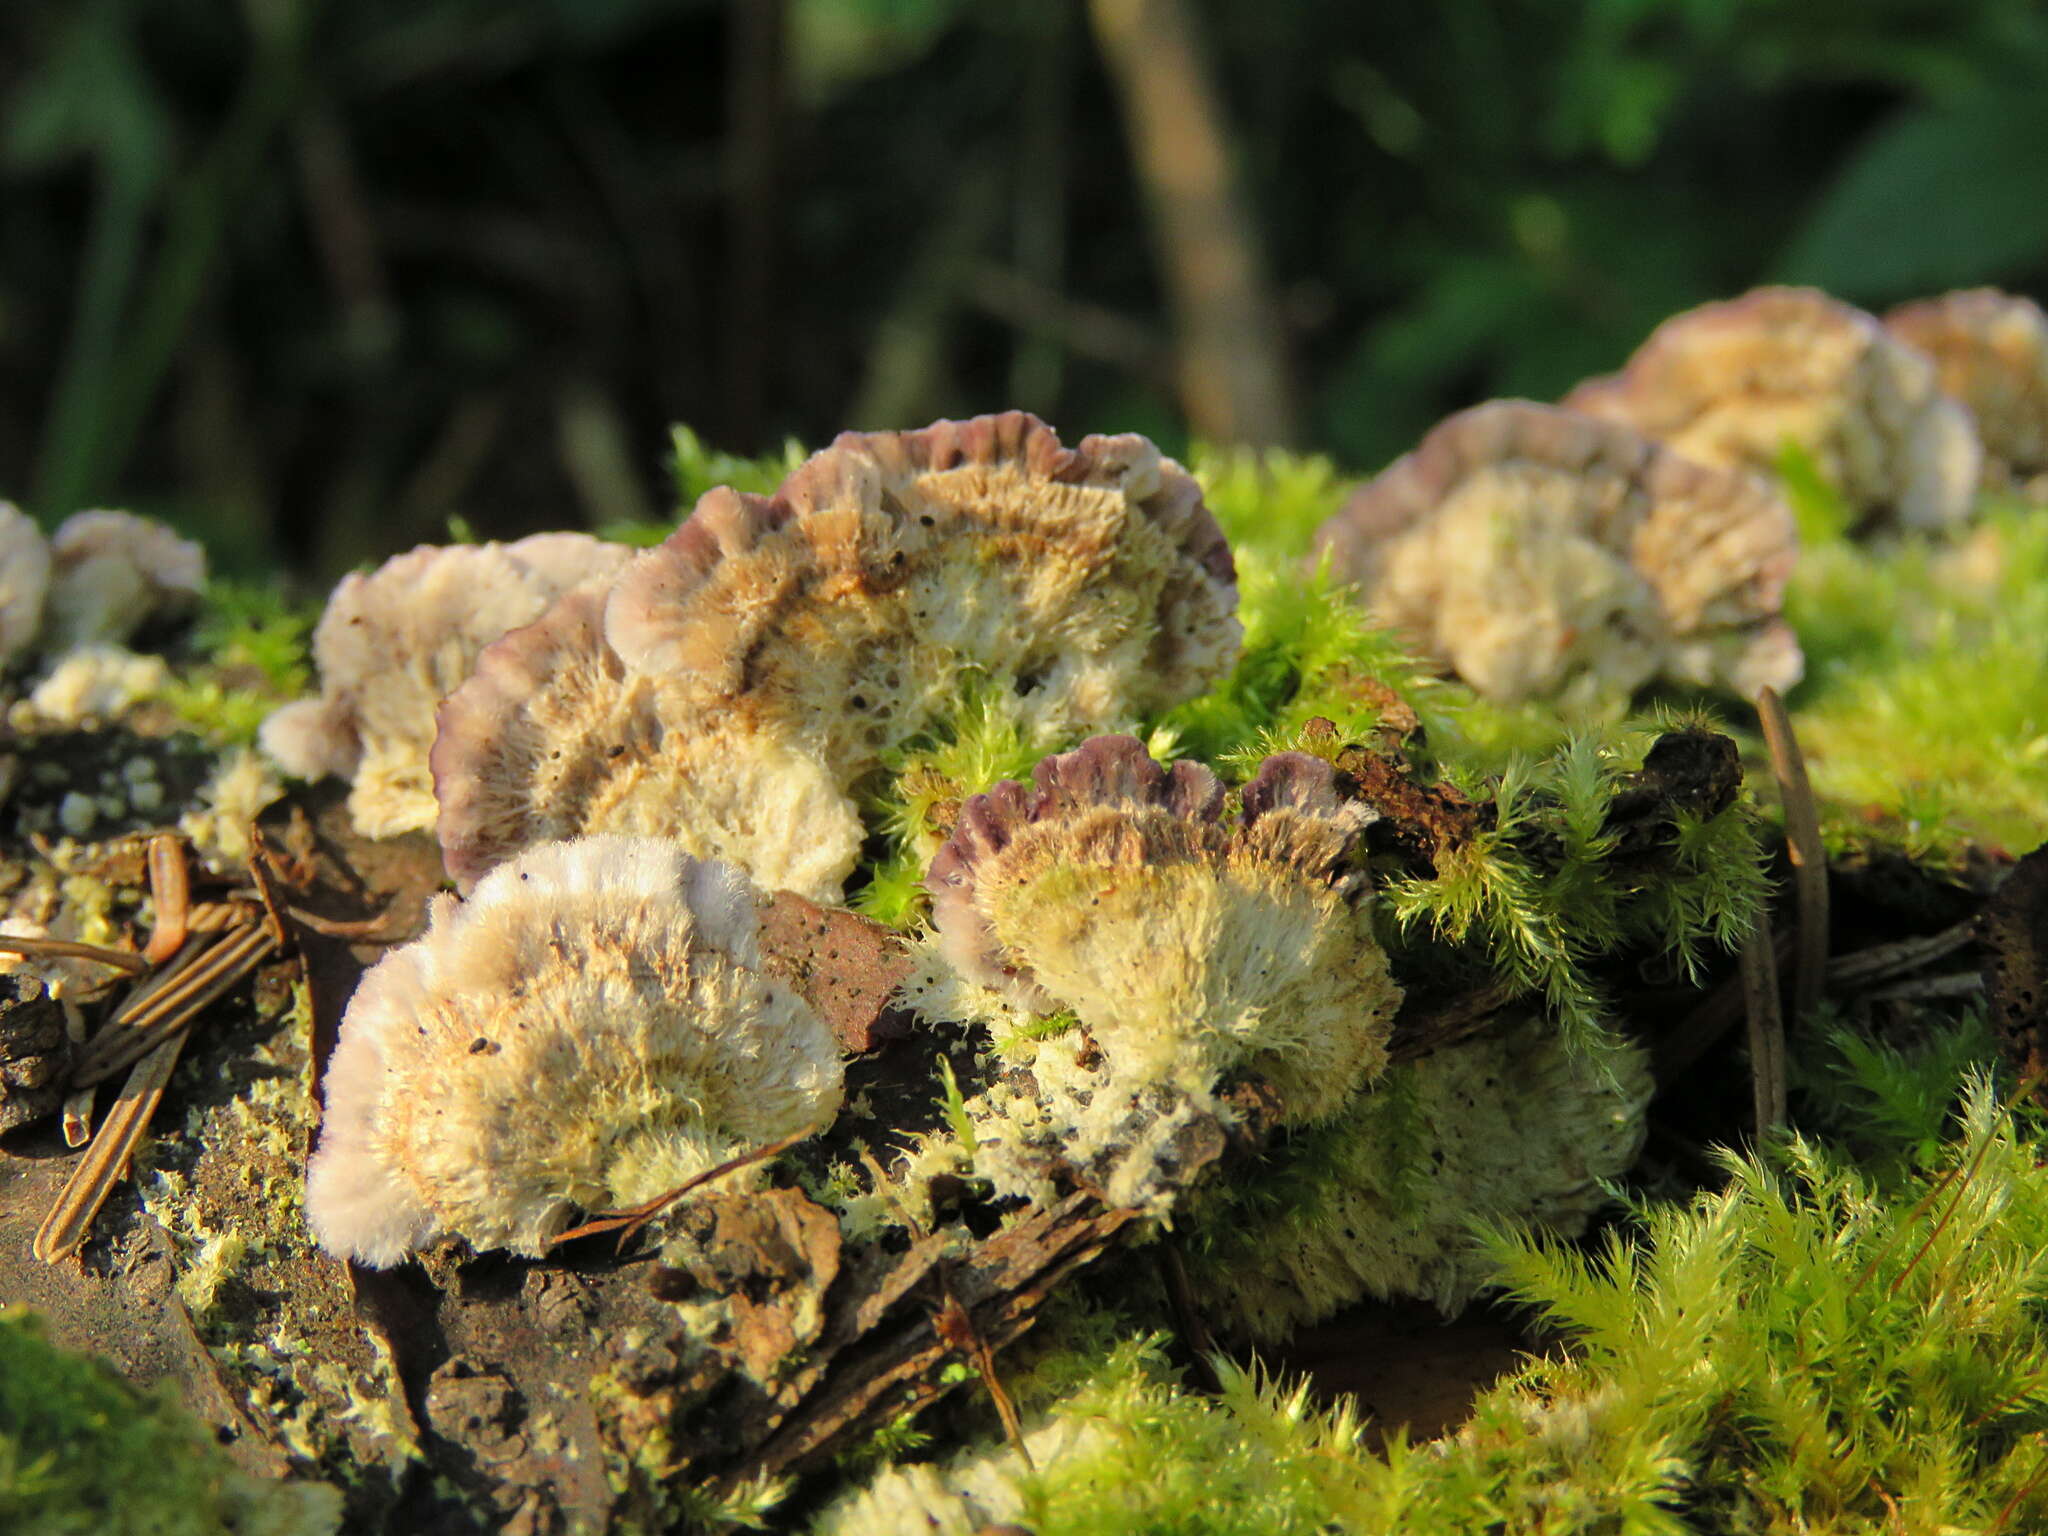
(2014, 931)
(774, 1253)
(1418, 822)
(846, 966)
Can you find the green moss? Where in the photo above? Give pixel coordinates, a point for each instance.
(1809, 1348)
(81, 1451)
(1539, 896)
(695, 469)
(254, 657)
(1802, 1350)
(1129, 1451)
(923, 783)
(1924, 714)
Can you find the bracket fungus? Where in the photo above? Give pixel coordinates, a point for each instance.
(590, 1028)
(1535, 550)
(1734, 383)
(1186, 944)
(391, 645)
(24, 581)
(745, 677)
(1990, 351)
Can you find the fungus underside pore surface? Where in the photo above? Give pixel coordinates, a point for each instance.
(1914, 1233)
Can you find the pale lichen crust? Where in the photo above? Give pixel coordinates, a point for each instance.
(1990, 351)
(1735, 383)
(1186, 945)
(1515, 1128)
(393, 644)
(747, 675)
(1536, 551)
(589, 1029)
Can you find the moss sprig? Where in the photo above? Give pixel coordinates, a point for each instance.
(1540, 895)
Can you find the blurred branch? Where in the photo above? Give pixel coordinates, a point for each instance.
(1040, 239)
(343, 234)
(906, 359)
(1233, 377)
(1074, 325)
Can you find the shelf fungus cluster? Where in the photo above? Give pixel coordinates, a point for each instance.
(1536, 551)
(738, 683)
(1183, 945)
(1733, 384)
(1130, 993)
(589, 1029)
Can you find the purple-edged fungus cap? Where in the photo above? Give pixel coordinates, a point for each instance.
(1536, 551)
(1187, 941)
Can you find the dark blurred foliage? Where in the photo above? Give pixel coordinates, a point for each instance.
(311, 277)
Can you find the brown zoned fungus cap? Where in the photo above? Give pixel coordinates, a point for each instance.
(1990, 351)
(1733, 383)
(1185, 941)
(391, 645)
(24, 581)
(1533, 549)
(746, 675)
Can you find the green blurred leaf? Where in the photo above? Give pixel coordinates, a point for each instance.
(91, 95)
(1936, 198)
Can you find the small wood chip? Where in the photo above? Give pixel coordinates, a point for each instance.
(65, 1229)
(1882, 962)
(170, 886)
(1766, 1028)
(204, 973)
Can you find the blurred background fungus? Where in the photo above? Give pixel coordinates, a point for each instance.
(310, 280)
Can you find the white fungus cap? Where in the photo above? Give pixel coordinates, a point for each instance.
(112, 573)
(24, 581)
(589, 1029)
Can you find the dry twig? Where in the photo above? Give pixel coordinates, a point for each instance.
(1766, 1027)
